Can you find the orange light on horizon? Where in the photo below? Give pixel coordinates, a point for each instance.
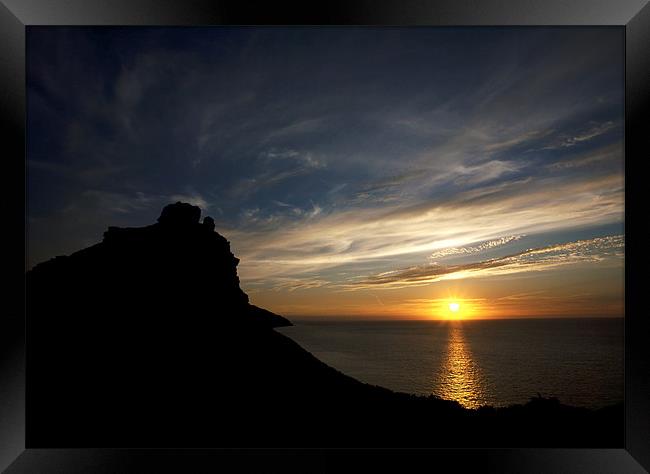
(452, 307)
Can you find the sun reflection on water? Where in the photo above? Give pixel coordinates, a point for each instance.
(460, 377)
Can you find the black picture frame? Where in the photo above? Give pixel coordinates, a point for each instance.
(17, 455)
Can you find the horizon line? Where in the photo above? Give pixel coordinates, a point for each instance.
(396, 319)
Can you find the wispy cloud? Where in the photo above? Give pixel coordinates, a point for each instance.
(355, 236)
(292, 284)
(298, 127)
(304, 158)
(516, 140)
(275, 167)
(586, 134)
(472, 249)
(543, 258)
(487, 171)
(609, 154)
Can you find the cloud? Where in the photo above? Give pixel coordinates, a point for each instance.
(315, 210)
(336, 189)
(305, 159)
(385, 189)
(590, 133)
(276, 167)
(487, 171)
(247, 187)
(298, 127)
(610, 154)
(256, 220)
(380, 159)
(375, 236)
(294, 284)
(543, 258)
(517, 140)
(483, 246)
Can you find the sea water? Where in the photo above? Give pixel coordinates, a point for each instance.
(481, 362)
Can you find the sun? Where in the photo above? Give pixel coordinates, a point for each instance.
(453, 308)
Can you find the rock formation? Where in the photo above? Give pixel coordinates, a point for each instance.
(177, 270)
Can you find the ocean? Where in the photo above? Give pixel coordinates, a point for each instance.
(480, 362)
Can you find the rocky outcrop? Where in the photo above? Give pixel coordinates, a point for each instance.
(179, 269)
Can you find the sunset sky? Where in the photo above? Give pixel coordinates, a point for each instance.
(357, 172)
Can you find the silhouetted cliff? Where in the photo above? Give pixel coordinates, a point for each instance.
(178, 272)
(146, 339)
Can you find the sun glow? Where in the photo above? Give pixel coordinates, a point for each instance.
(454, 307)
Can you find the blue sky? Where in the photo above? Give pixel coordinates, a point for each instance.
(332, 156)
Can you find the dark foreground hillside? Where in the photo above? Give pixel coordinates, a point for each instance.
(146, 339)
